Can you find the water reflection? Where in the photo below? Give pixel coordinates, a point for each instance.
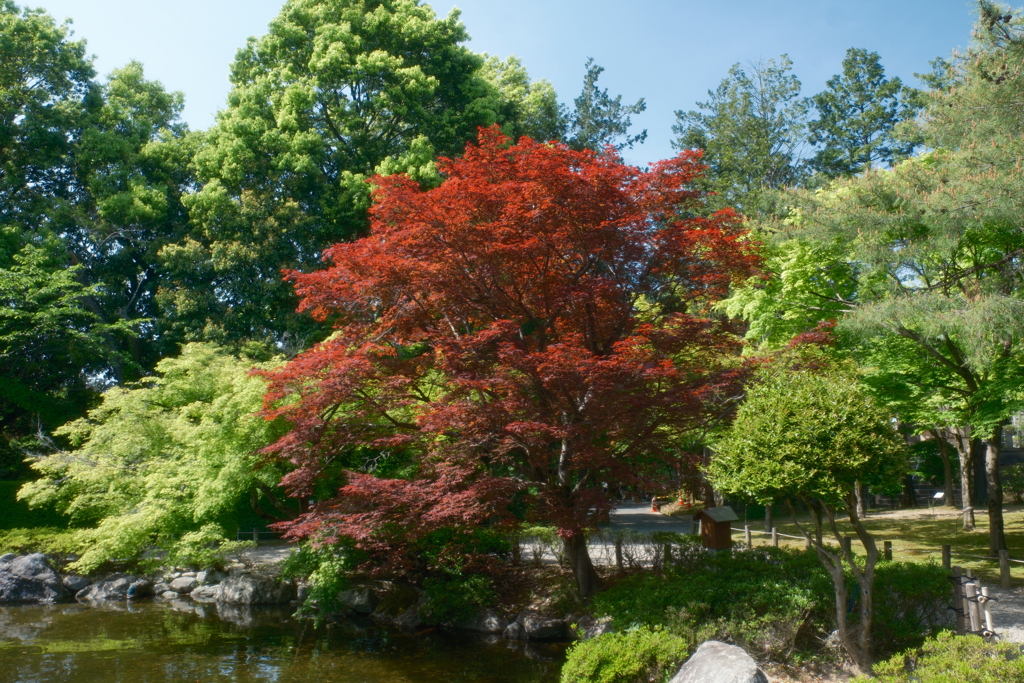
(184, 641)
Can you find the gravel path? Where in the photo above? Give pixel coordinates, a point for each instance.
(1008, 614)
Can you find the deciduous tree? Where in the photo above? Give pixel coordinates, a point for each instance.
(534, 325)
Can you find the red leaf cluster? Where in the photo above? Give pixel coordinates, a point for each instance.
(532, 324)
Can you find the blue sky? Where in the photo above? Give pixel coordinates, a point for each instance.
(668, 51)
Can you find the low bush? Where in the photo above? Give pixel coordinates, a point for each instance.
(454, 599)
(911, 602)
(640, 655)
(947, 658)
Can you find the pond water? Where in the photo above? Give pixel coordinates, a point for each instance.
(157, 642)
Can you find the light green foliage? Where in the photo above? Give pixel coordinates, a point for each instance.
(752, 130)
(636, 656)
(1013, 482)
(953, 659)
(805, 285)
(804, 434)
(158, 463)
(526, 108)
(336, 91)
(598, 120)
(857, 114)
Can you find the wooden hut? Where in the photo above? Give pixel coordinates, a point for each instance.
(716, 527)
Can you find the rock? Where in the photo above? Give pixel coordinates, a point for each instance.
(143, 588)
(183, 584)
(29, 578)
(486, 621)
(301, 593)
(360, 600)
(169, 595)
(75, 583)
(255, 589)
(514, 632)
(717, 662)
(209, 576)
(206, 594)
(161, 588)
(590, 627)
(537, 627)
(113, 587)
(409, 620)
(191, 575)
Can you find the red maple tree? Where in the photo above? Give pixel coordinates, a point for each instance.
(533, 327)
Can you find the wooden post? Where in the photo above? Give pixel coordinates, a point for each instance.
(667, 555)
(958, 601)
(887, 550)
(775, 537)
(807, 542)
(946, 560)
(618, 554)
(747, 537)
(987, 609)
(971, 599)
(847, 544)
(255, 535)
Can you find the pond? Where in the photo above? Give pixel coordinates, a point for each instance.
(180, 641)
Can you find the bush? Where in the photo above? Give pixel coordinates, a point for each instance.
(1013, 482)
(455, 599)
(637, 656)
(49, 540)
(911, 602)
(953, 659)
(768, 600)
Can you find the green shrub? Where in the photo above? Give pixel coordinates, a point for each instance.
(450, 600)
(770, 601)
(637, 656)
(49, 540)
(911, 602)
(1013, 482)
(947, 658)
(325, 568)
(204, 548)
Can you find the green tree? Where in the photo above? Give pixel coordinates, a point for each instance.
(525, 107)
(752, 130)
(815, 438)
(164, 462)
(857, 114)
(336, 91)
(598, 120)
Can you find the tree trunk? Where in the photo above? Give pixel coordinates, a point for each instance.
(866, 581)
(768, 521)
(909, 494)
(996, 537)
(862, 494)
(587, 579)
(978, 448)
(947, 467)
(963, 450)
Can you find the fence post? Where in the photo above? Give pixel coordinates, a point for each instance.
(255, 536)
(775, 537)
(988, 610)
(958, 601)
(946, 561)
(887, 550)
(972, 606)
(746, 536)
(807, 542)
(1004, 568)
(618, 553)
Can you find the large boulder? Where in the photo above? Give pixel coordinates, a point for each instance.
(184, 584)
(717, 662)
(75, 582)
(486, 621)
(115, 587)
(255, 589)
(29, 578)
(206, 594)
(360, 600)
(538, 627)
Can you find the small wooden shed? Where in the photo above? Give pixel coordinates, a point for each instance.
(716, 527)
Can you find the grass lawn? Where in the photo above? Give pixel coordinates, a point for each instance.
(918, 535)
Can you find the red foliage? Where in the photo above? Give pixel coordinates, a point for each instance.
(531, 324)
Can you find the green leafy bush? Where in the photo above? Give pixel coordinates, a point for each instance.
(911, 602)
(947, 658)
(1013, 482)
(326, 569)
(636, 656)
(768, 600)
(450, 600)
